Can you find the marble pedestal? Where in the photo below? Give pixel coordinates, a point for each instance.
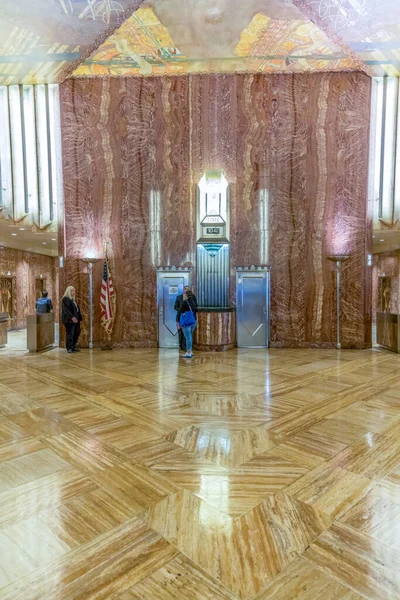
(388, 330)
(3, 329)
(40, 333)
(216, 330)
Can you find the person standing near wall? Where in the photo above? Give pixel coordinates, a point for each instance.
(71, 318)
(177, 305)
(44, 304)
(188, 320)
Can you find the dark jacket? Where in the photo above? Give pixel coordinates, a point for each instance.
(43, 306)
(184, 307)
(178, 304)
(70, 309)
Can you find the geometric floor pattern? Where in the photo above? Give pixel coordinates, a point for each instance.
(251, 475)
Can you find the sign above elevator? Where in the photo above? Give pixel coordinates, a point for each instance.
(212, 208)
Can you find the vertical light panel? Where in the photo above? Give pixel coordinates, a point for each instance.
(31, 176)
(387, 175)
(263, 224)
(155, 228)
(54, 125)
(17, 152)
(30, 153)
(375, 143)
(396, 187)
(43, 155)
(6, 187)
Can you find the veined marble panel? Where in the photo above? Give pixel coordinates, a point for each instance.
(294, 149)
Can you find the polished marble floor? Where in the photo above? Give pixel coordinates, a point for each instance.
(132, 475)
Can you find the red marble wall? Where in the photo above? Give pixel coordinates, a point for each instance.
(24, 268)
(294, 149)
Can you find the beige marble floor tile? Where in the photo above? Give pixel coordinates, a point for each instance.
(30, 467)
(359, 561)
(41, 422)
(244, 554)
(135, 484)
(370, 417)
(27, 546)
(344, 432)
(9, 431)
(84, 451)
(302, 580)
(310, 448)
(330, 489)
(20, 503)
(17, 448)
(227, 449)
(389, 487)
(241, 459)
(103, 569)
(234, 491)
(377, 517)
(13, 403)
(180, 579)
(373, 456)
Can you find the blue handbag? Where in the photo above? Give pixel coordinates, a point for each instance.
(187, 319)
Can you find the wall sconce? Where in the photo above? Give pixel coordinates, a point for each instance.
(90, 262)
(8, 273)
(339, 259)
(41, 276)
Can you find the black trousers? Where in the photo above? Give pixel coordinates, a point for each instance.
(73, 331)
(182, 341)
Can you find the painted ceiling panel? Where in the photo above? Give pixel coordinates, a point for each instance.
(371, 28)
(46, 40)
(165, 37)
(42, 40)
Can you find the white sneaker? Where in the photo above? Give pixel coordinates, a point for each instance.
(188, 355)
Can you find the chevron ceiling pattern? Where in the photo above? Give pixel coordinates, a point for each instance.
(48, 40)
(42, 40)
(244, 476)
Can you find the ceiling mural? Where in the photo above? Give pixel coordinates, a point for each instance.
(42, 40)
(48, 40)
(370, 28)
(172, 37)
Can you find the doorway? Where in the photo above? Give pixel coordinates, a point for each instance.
(169, 285)
(40, 287)
(7, 299)
(253, 307)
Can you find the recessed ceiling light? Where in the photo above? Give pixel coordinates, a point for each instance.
(381, 240)
(13, 234)
(373, 236)
(44, 242)
(53, 239)
(22, 228)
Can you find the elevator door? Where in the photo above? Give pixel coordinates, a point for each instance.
(252, 300)
(169, 286)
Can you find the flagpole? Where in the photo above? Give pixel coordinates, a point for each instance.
(91, 305)
(108, 346)
(90, 262)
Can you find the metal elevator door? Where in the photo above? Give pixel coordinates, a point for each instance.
(252, 308)
(169, 286)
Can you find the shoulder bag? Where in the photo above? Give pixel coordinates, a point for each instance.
(187, 319)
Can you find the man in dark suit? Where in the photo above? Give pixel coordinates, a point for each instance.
(177, 305)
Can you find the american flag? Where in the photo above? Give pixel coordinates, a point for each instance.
(108, 300)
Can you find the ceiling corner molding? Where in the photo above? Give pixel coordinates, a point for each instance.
(100, 40)
(304, 6)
